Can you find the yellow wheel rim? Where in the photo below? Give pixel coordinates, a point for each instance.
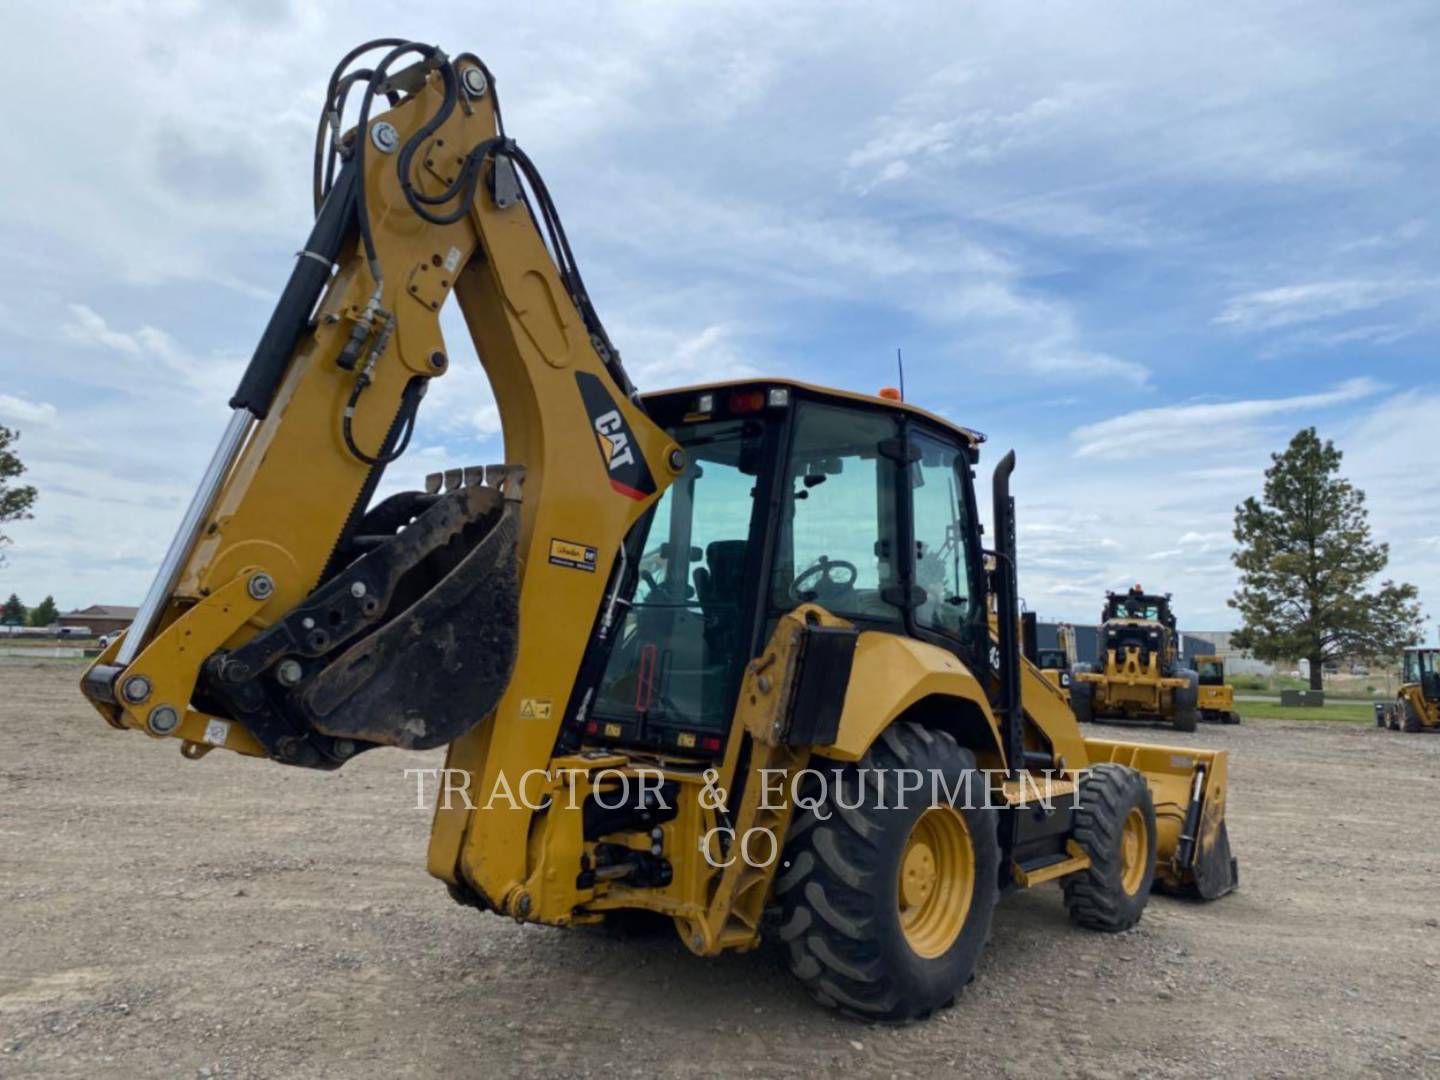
(937, 881)
(1134, 851)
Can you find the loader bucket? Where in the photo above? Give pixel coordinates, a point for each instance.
(1188, 786)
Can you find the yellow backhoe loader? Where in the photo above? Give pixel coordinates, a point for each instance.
(1139, 676)
(723, 654)
(1216, 697)
(1417, 703)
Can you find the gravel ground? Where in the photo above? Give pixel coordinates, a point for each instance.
(234, 918)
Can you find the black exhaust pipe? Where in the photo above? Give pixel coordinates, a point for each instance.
(1007, 611)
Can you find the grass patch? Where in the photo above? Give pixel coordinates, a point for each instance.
(1344, 713)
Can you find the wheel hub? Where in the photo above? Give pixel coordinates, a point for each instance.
(1133, 851)
(936, 881)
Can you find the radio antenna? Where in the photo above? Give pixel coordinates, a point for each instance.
(900, 363)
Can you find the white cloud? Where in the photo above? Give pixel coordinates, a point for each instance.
(19, 410)
(1287, 305)
(1158, 431)
(1084, 365)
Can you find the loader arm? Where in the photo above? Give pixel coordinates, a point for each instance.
(291, 619)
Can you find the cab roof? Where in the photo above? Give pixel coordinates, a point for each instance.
(970, 435)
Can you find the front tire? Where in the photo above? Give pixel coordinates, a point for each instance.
(1115, 825)
(885, 908)
(1186, 700)
(1082, 694)
(1412, 718)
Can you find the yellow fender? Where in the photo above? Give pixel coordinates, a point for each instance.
(891, 675)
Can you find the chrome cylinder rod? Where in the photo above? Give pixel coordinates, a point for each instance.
(179, 550)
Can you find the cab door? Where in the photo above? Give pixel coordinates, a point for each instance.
(944, 564)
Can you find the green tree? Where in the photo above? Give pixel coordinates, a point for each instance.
(44, 613)
(1307, 560)
(15, 499)
(13, 613)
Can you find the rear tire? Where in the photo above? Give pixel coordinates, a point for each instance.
(1232, 717)
(1115, 825)
(861, 925)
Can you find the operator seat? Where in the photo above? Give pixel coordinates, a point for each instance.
(717, 586)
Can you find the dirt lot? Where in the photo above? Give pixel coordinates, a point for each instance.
(234, 918)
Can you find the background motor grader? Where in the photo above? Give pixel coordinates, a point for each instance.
(661, 620)
(1417, 703)
(1139, 675)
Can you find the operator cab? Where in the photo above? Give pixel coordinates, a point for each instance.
(1422, 669)
(1138, 605)
(790, 494)
(1211, 670)
(1130, 621)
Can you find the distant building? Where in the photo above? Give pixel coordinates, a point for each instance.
(100, 618)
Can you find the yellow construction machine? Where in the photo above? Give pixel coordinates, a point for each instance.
(721, 653)
(1417, 704)
(1055, 663)
(1216, 697)
(1140, 676)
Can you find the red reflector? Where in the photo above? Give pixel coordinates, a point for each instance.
(592, 728)
(709, 742)
(747, 401)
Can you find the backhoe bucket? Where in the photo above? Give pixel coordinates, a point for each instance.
(411, 644)
(1188, 786)
(440, 665)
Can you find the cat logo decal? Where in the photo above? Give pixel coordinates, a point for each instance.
(628, 473)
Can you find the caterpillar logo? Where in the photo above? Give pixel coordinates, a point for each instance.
(628, 473)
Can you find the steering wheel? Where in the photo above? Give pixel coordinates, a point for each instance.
(822, 570)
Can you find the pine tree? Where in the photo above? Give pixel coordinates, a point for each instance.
(15, 499)
(13, 613)
(1307, 558)
(44, 613)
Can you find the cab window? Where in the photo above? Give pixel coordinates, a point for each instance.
(836, 544)
(674, 661)
(1211, 672)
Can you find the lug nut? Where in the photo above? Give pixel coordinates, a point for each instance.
(136, 689)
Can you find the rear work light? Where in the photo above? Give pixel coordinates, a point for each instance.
(747, 401)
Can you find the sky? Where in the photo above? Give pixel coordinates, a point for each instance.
(1141, 244)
